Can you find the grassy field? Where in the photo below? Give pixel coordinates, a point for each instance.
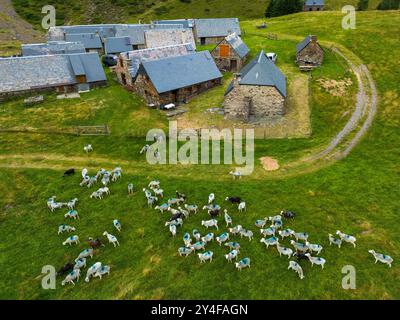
(358, 195)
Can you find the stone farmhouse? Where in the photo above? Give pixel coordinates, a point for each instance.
(129, 62)
(176, 79)
(63, 73)
(208, 31)
(309, 54)
(257, 92)
(167, 37)
(52, 47)
(313, 5)
(230, 54)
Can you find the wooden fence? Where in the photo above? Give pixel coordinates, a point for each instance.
(93, 130)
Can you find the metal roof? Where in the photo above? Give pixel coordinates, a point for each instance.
(117, 45)
(52, 47)
(181, 71)
(237, 44)
(314, 2)
(89, 40)
(221, 27)
(26, 73)
(261, 71)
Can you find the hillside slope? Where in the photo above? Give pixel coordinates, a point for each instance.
(14, 30)
(106, 11)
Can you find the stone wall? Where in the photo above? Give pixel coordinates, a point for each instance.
(312, 55)
(247, 103)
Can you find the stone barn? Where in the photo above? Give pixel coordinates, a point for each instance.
(230, 54)
(313, 5)
(177, 79)
(309, 54)
(63, 73)
(129, 62)
(258, 92)
(91, 41)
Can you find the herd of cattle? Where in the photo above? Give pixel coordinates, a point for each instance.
(273, 234)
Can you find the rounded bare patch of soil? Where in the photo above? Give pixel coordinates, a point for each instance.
(269, 163)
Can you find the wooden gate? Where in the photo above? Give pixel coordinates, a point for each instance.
(92, 130)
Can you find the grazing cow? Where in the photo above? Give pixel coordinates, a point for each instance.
(233, 245)
(261, 223)
(211, 198)
(245, 262)
(268, 232)
(95, 243)
(74, 275)
(222, 238)
(180, 195)
(236, 229)
(191, 208)
(314, 247)
(176, 201)
(235, 174)
(187, 240)
(196, 234)
(176, 222)
(151, 201)
(233, 200)
(200, 245)
(208, 237)
(286, 233)
(66, 268)
(299, 246)
(69, 172)
(155, 184)
(246, 233)
(297, 268)
(382, 258)
(80, 263)
(72, 203)
(284, 251)
(163, 207)
(73, 214)
(172, 229)
(300, 236)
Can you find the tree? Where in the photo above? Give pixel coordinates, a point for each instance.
(362, 5)
(389, 5)
(282, 7)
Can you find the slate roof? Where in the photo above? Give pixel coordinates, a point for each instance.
(314, 2)
(89, 40)
(52, 47)
(166, 37)
(261, 71)
(303, 44)
(138, 56)
(104, 30)
(206, 28)
(182, 71)
(136, 31)
(33, 72)
(238, 45)
(186, 23)
(115, 45)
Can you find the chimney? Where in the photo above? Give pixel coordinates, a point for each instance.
(236, 79)
(314, 39)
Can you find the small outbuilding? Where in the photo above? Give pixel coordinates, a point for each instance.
(309, 54)
(212, 31)
(314, 5)
(177, 79)
(230, 54)
(258, 92)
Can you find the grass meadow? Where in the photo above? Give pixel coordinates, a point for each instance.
(358, 195)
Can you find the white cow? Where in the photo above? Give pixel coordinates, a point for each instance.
(70, 240)
(210, 223)
(74, 275)
(111, 239)
(92, 271)
(296, 267)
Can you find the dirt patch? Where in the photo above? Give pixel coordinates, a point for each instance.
(269, 163)
(337, 88)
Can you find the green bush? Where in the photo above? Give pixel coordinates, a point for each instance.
(362, 5)
(278, 8)
(389, 5)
